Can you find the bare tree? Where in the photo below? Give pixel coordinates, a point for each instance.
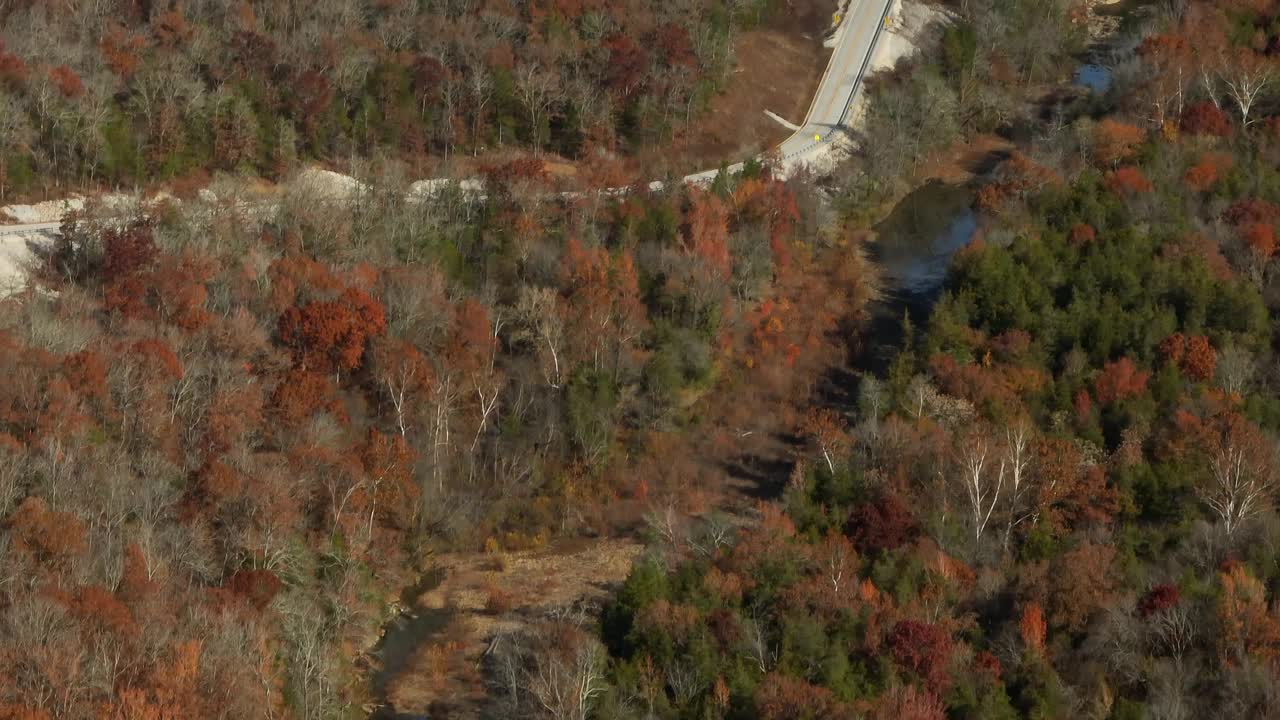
(538, 90)
(1241, 481)
(980, 471)
(538, 314)
(756, 645)
(480, 88)
(1236, 369)
(566, 677)
(1020, 497)
(1245, 76)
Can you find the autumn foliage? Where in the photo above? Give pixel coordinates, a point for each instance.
(1115, 141)
(1206, 118)
(1118, 381)
(330, 336)
(923, 649)
(1128, 180)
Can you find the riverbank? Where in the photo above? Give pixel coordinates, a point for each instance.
(428, 663)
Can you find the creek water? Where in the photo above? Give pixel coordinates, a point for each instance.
(1095, 77)
(401, 639)
(914, 247)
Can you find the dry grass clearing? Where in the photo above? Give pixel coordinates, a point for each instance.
(490, 594)
(778, 67)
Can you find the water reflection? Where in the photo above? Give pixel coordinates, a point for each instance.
(1097, 78)
(404, 635)
(917, 240)
(914, 247)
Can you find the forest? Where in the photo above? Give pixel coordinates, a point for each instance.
(1059, 500)
(227, 438)
(122, 93)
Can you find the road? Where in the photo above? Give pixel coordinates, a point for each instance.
(825, 121)
(859, 31)
(823, 124)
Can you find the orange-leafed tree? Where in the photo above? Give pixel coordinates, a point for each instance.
(1114, 141)
(1032, 628)
(1201, 177)
(49, 537)
(1172, 73)
(707, 231)
(66, 81)
(907, 702)
(1260, 237)
(782, 697)
(1246, 628)
(1128, 180)
(388, 467)
(121, 50)
(1201, 359)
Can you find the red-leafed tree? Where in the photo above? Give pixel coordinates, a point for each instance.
(1205, 118)
(1119, 380)
(13, 71)
(330, 336)
(66, 81)
(782, 697)
(49, 537)
(257, 587)
(128, 256)
(923, 649)
(627, 67)
(1260, 238)
(1082, 234)
(1128, 180)
(1252, 210)
(179, 289)
(300, 394)
(1158, 599)
(884, 523)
